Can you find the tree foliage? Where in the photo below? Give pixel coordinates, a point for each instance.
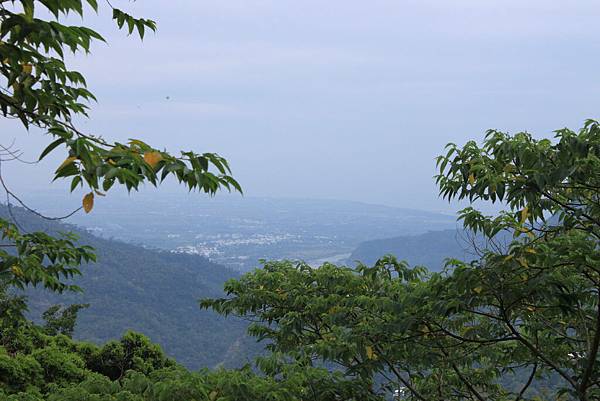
(40, 90)
(36, 257)
(36, 366)
(494, 328)
(521, 321)
(61, 320)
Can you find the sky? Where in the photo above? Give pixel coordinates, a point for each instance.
(335, 99)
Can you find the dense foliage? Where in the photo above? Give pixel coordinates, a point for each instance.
(129, 287)
(523, 313)
(36, 366)
(521, 321)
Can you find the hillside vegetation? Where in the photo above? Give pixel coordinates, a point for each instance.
(157, 293)
(521, 321)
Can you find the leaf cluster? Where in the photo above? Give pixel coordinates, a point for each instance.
(38, 258)
(520, 322)
(38, 88)
(36, 366)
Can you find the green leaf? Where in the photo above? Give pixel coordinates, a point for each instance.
(51, 147)
(76, 181)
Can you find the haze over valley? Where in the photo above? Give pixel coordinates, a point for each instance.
(385, 200)
(238, 231)
(159, 255)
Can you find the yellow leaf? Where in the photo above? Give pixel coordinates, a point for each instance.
(524, 214)
(67, 161)
(471, 179)
(371, 353)
(136, 142)
(531, 309)
(152, 158)
(16, 270)
(88, 202)
(509, 168)
(478, 290)
(523, 262)
(531, 250)
(282, 293)
(509, 257)
(27, 68)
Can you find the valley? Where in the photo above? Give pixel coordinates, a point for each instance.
(239, 231)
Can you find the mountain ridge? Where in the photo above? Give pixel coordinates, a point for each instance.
(430, 249)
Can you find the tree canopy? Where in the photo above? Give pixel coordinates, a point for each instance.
(520, 321)
(40, 90)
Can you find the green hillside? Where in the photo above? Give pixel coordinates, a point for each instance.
(154, 292)
(430, 249)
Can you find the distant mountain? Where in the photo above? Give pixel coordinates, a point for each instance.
(150, 291)
(430, 249)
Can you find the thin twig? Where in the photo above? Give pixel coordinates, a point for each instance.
(10, 194)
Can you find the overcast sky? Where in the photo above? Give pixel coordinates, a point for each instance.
(337, 99)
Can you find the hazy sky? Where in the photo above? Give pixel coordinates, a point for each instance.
(338, 99)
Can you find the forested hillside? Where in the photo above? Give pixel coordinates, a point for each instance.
(514, 315)
(149, 291)
(430, 249)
